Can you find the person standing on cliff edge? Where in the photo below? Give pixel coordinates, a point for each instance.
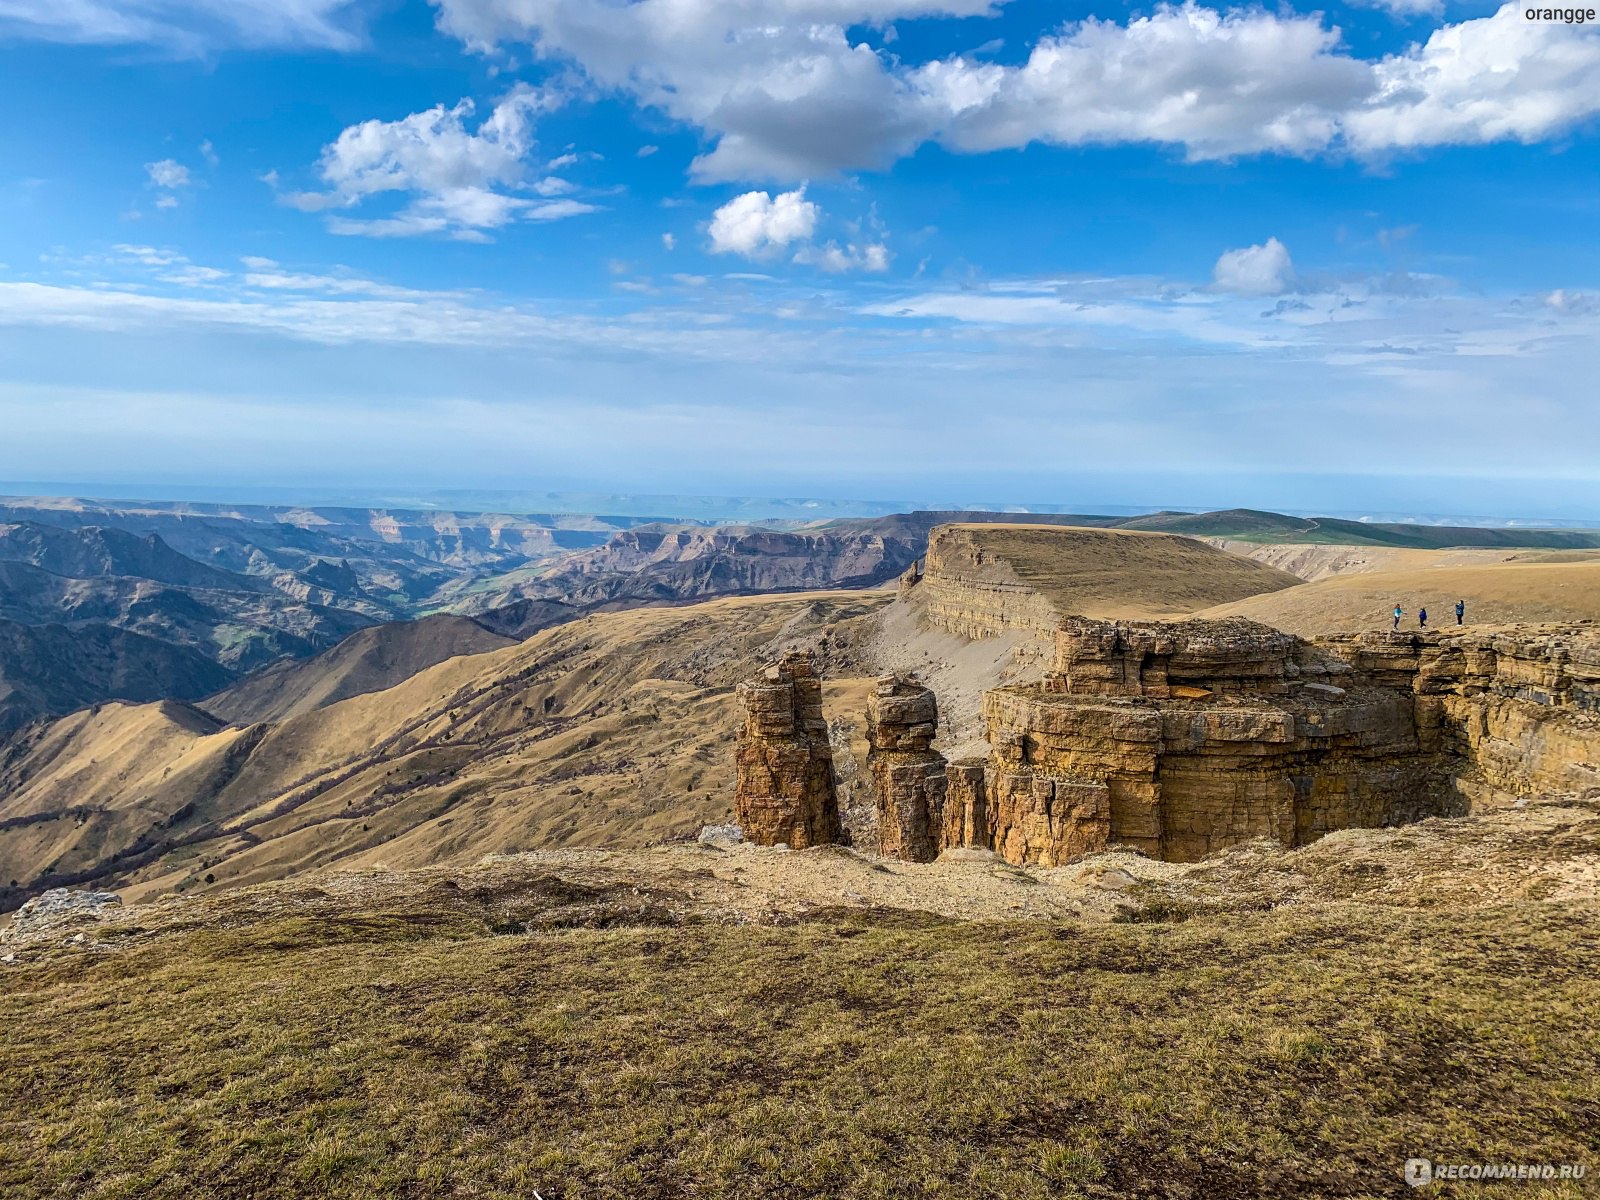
(1461, 610)
(1422, 618)
(1398, 613)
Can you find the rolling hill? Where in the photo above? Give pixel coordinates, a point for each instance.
(613, 729)
(369, 660)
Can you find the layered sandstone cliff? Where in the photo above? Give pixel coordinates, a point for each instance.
(1181, 738)
(1515, 709)
(784, 787)
(986, 580)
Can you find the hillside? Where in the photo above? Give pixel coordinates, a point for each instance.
(614, 729)
(369, 660)
(238, 628)
(1495, 593)
(750, 1025)
(667, 563)
(50, 669)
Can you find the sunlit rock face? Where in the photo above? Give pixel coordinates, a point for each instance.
(784, 791)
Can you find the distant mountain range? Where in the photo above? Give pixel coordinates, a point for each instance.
(179, 600)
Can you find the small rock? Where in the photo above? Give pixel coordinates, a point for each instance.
(57, 906)
(726, 835)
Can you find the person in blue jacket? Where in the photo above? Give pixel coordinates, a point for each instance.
(1398, 613)
(1461, 610)
(1422, 618)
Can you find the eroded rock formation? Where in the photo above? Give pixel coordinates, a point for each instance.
(1181, 738)
(908, 774)
(784, 789)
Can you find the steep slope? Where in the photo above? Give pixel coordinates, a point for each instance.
(50, 670)
(1496, 593)
(614, 729)
(369, 660)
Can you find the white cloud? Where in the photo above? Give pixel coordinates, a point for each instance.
(757, 225)
(1500, 78)
(168, 174)
(209, 153)
(873, 256)
(668, 241)
(1264, 270)
(166, 202)
(786, 94)
(647, 151)
(185, 26)
(458, 181)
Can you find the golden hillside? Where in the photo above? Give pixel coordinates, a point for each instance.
(1496, 593)
(615, 729)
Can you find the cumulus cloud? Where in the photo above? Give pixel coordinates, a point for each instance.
(1264, 270)
(1500, 78)
(758, 225)
(185, 26)
(458, 181)
(786, 94)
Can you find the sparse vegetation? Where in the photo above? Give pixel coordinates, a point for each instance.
(436, 1049)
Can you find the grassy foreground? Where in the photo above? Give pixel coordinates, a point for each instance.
(414, 1054)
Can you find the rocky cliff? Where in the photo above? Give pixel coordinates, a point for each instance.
(784, 791)
(985, 580)
(1182, 738)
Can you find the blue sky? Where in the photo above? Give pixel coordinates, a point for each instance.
(1337, 258)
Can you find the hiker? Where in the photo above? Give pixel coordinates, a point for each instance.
(1461, 610)
(1422, 618)
(1398, 613)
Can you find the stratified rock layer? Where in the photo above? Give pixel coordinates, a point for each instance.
(784, 792)
(908, 774)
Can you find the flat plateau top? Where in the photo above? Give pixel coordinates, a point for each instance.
(1119, 572)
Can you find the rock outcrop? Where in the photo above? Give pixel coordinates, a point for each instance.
(784, 791)
(1514, 710)
(908, 774)
(59, 907)
(1181, 738)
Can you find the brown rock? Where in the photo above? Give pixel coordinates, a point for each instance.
(908, 774)
(784, 791)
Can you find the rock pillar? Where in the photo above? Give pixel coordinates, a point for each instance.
(907, 773)
(784, 789)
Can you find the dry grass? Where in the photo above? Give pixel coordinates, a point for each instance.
(1121, 572)
(1559, 590)
(583, 1041)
